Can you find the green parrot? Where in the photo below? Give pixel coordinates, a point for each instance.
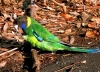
(40, 37)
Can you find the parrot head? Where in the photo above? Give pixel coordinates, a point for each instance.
(22, 23)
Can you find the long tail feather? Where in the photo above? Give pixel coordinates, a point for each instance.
(93, 51)
(83, 49)
(49, 46)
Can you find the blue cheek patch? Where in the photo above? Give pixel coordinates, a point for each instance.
(23, 25)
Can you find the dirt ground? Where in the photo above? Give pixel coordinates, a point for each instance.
(72, 29)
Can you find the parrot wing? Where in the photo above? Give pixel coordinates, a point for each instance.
(43, 32)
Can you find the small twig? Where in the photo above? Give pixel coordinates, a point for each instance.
(7, 56)
(66, 67)
(33, 9)
(35, 57)
(60, 4)
(8, 51)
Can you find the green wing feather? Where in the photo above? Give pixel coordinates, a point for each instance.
(43, 32)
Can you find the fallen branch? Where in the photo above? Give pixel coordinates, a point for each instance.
(8, 51)
(66, 67)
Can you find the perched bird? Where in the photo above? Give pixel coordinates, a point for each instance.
(40, 37)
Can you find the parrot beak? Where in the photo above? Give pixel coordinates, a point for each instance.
(18, 29)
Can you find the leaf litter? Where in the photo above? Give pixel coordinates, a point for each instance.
(74, 22)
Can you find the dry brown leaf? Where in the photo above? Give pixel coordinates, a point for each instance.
(5, 27)
(98, 38)
(74, 13)
(18, 12)
(7, 2)
(8, 9)
(92, 24)
(85, 16)
(3, 63)
(20, 31)
(4, 49)
(9, 31)
(68, 31)
(21, 3)
(1, 19)
(44, 21)
(11, 34)
(91, 0)
(65, 39)
(19, 39)
(67, 17)
(79, 25)
(6, 15)
(98, 3)
(72, 40)
(97, 19)
(95, 31)
(60, 31)
(1, 25)
(49, 8)
(9, 38)
(90, 34)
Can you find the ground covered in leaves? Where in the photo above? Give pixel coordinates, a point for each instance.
(75, 22)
